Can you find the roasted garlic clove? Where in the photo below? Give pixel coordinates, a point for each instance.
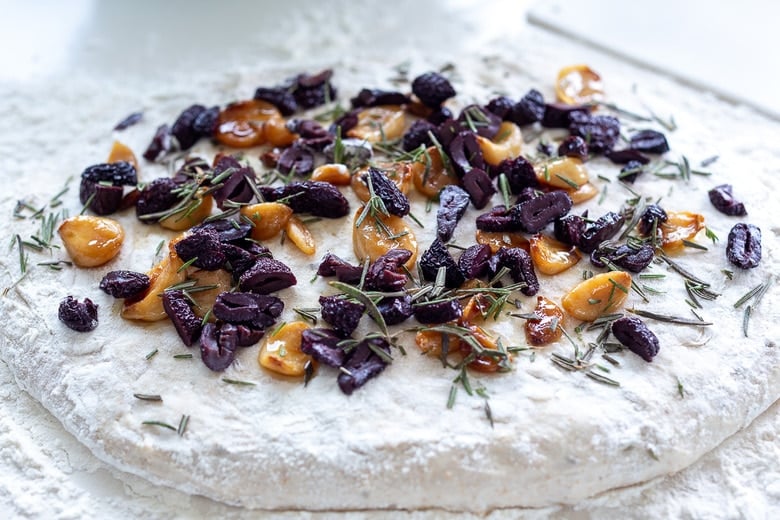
(91, 241)
(601, 294)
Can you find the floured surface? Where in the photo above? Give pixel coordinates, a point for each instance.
(645, 416)
(47, 473)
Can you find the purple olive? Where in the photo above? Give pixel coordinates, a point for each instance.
(473, 262)
(267, 276)
(634, 334)
(78, 316)
(178, 309)
(438, 311)
(217, 355)
(535, 214)
(341, 314)
(436, 257)
(362, 364)
(479, 186)
(323, 346)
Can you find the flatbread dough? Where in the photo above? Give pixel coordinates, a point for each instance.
(557, 436)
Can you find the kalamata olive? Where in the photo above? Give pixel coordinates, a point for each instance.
(440, 311)
(184, 320)
(362, 364)
(519, 172)
(473, 262)
(436, 257)
(432, 89)
(332, 265)
(498, 219)
(298, 159)
(156, 197)
(626, 156)
(574, 146)
(653, 215)
(602, 229)
(559, 115)
(521, 268)
(385, 273)
(631, 171)
(78, 316)
(375, 97)
(124, 284)
(320, 199)
(280, 97)
(453, 202)
(529, 109)
(341, 314)
(535, 214)
(649, 141)
(183, 128)
(129, 121)
(396, 309)
(216, 355)
(204, 246)
(601, 132)
(634, 334)
(267, 276)
(323, 345)
(226, 229)
(236, 187)
(479, 186)
(312, 90)
(501, 106)
(260, 310)
(395, 202)
(744, 246)
(160, 144)
(465, 153)
(624, 256)
(478, 120)
(722, 197)
(419, 134)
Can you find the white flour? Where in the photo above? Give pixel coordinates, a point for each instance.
(47, 473)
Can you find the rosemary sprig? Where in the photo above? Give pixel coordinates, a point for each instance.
(87, 204)
(307, 313)
(668, 318)
(22, 255)
(160, 424)
(183, 422)
(238, 382)
(752, 292)
(148, 397)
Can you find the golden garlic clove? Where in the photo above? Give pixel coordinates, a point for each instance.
(91, 241)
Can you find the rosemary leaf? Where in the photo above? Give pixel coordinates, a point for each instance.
(602, 378)
(159, 423)
(451, 397)
(752, 292)
(238, 382)
(183, 422)
(148, 397)
(668, 319)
